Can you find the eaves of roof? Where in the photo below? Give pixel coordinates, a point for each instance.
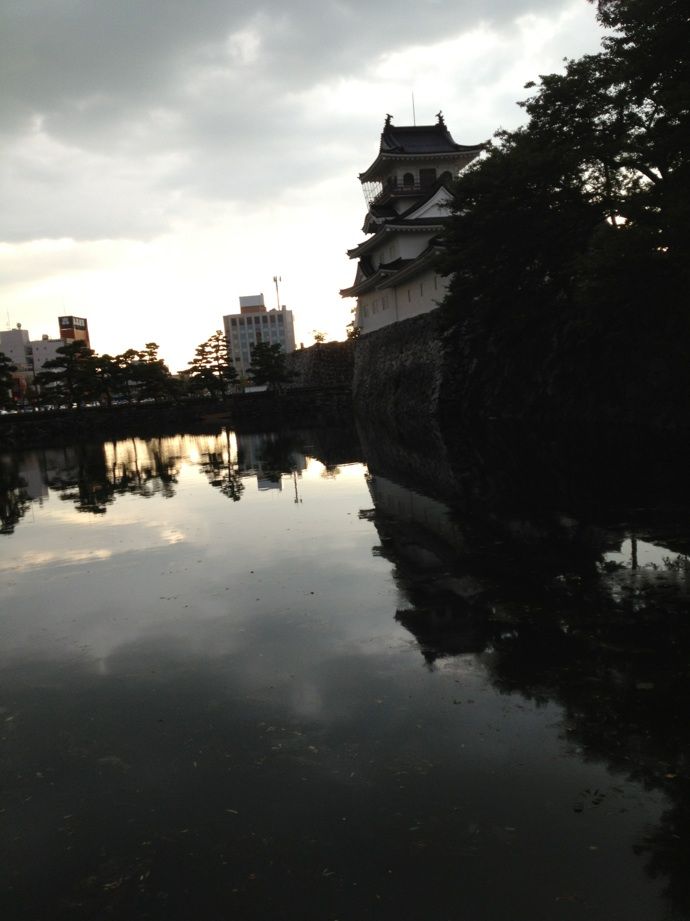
(367, 284)
(385, 159)
(416, 266)
(419, 225)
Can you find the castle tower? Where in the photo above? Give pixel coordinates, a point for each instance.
(408, 189)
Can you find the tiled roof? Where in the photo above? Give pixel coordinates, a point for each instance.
(418, 141)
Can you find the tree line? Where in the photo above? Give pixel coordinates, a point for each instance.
(575, 228)
(78, 376)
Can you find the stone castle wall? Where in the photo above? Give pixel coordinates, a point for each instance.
(323, 365)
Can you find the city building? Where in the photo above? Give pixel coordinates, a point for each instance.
(254, 323)
(15, 344)
(408, 190)
(30, 355)
(72, 328)
(43, 350)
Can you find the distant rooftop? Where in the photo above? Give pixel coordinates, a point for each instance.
(252, 300)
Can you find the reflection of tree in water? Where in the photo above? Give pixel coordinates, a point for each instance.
(617, 662)
(555, 620)
(91, 478)
(222, 472)
(87, 485)
(14, 500)
(154, 473)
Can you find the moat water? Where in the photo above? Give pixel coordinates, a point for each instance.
(250, 677)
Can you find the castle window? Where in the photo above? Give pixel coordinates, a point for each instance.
(408, 180)
(446, 176)
(427, 177)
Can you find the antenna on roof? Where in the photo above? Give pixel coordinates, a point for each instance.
(414, 114)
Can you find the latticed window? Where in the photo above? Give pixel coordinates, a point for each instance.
(371, 191)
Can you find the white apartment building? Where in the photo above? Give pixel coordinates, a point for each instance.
(43, 350)
(254, 323)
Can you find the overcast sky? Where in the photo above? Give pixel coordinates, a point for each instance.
(162, 157)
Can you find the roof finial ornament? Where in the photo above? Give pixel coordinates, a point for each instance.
(439, 116)
(389, 119)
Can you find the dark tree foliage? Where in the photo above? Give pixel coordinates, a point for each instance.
(269, 365)
(151, 376)
(211, 369)
(6, 369)
(78, 376)
(70, 379)
(578, 223)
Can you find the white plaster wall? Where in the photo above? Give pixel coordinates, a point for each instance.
(376, 309)
(399, 245)
(420, 295)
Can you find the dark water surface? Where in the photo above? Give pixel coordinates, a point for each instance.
(240, 682)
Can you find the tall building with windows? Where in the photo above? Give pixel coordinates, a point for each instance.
(408, 189)
(254, 323)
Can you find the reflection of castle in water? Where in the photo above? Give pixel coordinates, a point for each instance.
(456, 569)
(591, 617)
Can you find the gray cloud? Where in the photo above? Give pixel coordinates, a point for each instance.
(169, 97)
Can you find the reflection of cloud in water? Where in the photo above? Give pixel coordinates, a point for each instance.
(635, 552)
(37, 559)
(305, 700)
(172, 535)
